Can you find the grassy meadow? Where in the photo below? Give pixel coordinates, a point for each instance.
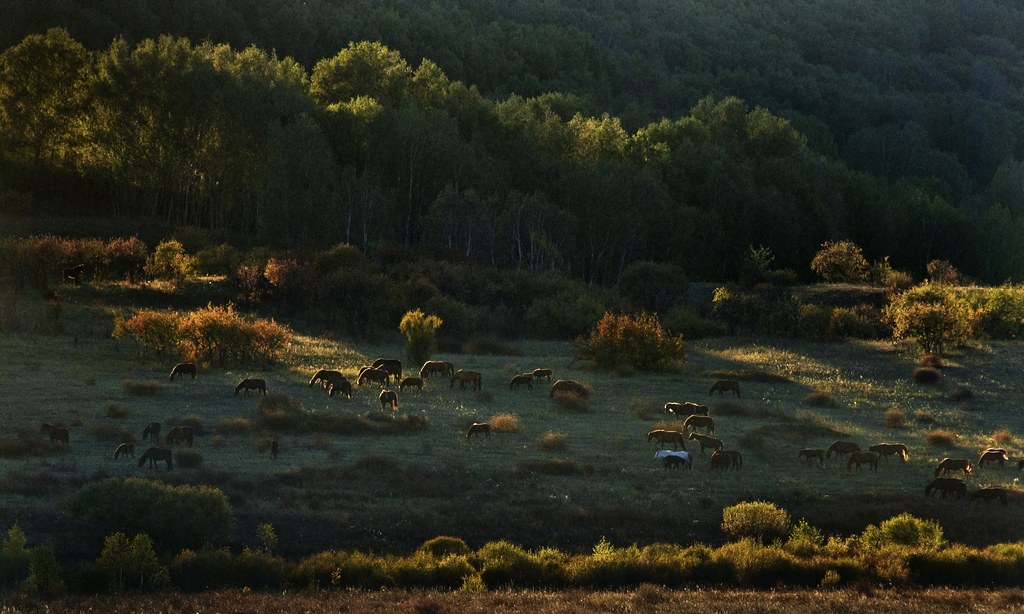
(552, 474)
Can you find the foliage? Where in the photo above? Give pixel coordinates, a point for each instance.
(15, 558)
(759, 520)
(636, 341)
(419, 330)
(132, 564)
(445, 545)
(942, 272)
(840, 262)
(903, 531)
(169, 261)
(933, 315)
(652, 286)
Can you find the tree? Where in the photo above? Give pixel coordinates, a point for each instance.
(933, 315)
(840, 262)
(420, 330)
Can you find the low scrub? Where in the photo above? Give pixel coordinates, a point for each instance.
(188, 458)
(505, 423)
(636, 341)
(894, 418)
(553, 442)
(569, 401)
(927, 375)
(757, 520)
(819, 398)
(941, 438)
(141, 389)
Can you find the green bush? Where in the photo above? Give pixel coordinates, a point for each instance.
(632, 341)
(860, 322)
(15, 558)
(444, 545)
(814, 322)
(653, 286)
(755, 564)
(1002, 310)
(169, 261)
(44, 574)
(691, 325)
(503, 564)
(564, 316)
(903, 531)
(756, 520)
(132, 564)
(840, 262)
(420, 332)
(935, 316)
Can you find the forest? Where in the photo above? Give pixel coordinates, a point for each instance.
(577, 137)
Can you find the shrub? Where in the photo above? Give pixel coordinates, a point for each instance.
(113, 410)
(169, 261)
(882, 274)
(444, 545)
(638, 341)
(687, 322)
(859, 322)
(840, 262)
(931, 360)
(141, 389)
(503, 564)
(819, 398)
(924, 417)
(553, 442)
(15, 558)
(758, 520)
(505, 423)
(44, 575)
(188, 458)
(132, 564)
(150, 328)
(894, 418)
(814, 322)
(125, 258)
(961, 394)
(220, 259)
(804, 539)
(934, 316)
(942, 272)
(565, 315)
(941, 437)
(1002, 436)
(235, 426)
(420, 332)
(570, 401)
(904, 530)
(927, 375)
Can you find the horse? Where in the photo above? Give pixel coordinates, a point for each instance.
(57, 434)
(705, 422)
(542, 373)
(989, 493)
(674, 458)
(125, 449)
(686, 408)
(388, 397)
(344, 387)
(410, 382)
(725, 385)
(431, 367)
(251, 383)
(326, 377)
(183, 368)
(812, 453)
(373, 374)
(463, 377)
(993, 455)
(152, 431)
(706, 442)
(841, 449)
(180, 434)
(156, 454)
(391, 365)
(946, 486)
(526, 379)
(274, 449)
(662, 436)
(886, 450)
(568, 385)
(478, 427)
(725, 459)
(954, 464)
(863, 458)
(74, 273)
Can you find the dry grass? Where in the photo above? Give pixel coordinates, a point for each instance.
(931, 360)
(115, 411)
(141, 389)
(924, 417)
(819, 398)
(1002, 436)
(505, 423)
(894, 418)
(570, 402)
(927, 375)
(233, 426)
(941, 438)
(553, 442)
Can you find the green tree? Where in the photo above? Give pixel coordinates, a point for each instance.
(420, 332)
(933, 315)
(840, 262)
(132, 564)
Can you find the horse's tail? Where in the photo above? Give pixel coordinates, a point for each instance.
(394, 404)
(938, 470)
(904, 454)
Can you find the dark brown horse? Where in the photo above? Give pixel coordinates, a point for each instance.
(125, 449)
(526, 379)
(863, 458)
(74, 274)
(373, 374)
(153, 455)
(571, 386)
(990, 493)
(725, 385)
(343, 388)
(705, 422)
(326, 377)
(410, 382)
(707, 441)
(473, 378)
(391, 365)
(57, 434)
(479, 427)
(251, 383)
(542, 374)
(438, 367)
(388, 397)
(725, 459)
(993, 455)
(886, 450)
(954, 464)
(841, 449)
(811, 454)
(180, 434)
(183, 368)
(152, 431)
(663, 436)
(686, 408)
(954, 487)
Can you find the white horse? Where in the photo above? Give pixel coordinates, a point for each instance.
(682, 455)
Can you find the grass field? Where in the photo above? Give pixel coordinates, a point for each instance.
(368, 490)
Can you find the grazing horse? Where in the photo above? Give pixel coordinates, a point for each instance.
(478, 427)
(180, 434)
(674, 458)
(125, 449)
(686, 408)
(274, 449)
(946, 486)
(725, 459)
(725, 385)
(152, 431)
(391, 365)
(373, 374)
(863, 458)
(705, 422)
(841, 449)
(344, 388)
(568, 385)
(707, 442)
(156, 454)
(410, 382)
(388, 397)
(251, 383)
(526, 379)
(57, 434)
(463, 377)
(954, 464)
(183, 368)
(993, 455)
(431, 367)
(987, 494)
(812, 453)
(886, 450)
(326, 377)
(542, 373)
(74, 273)
(662, 436)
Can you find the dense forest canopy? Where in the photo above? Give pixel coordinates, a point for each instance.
(579, 136)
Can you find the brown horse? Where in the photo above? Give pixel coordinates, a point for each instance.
(674, 462)
(542, 374)
(863, 458)
(344, 388)
(725, 385)
(74, 273)
(152, 431)
(954, 464)
(993, 455)
(989, 493)
(662, 436)
(812, 453)
(526, 379)
(725, 459)
(391, 365)
(409, 382)
(251, 383)
(571, 386)
(841, 449)
(705, 422)
(706, 442)
(57, 434)
(439, 367)
(326, 377)
(686, 408)
(373, 374)
(478, 427)
(183, 368)
(466, 377)
(125, 449)
(388, 397)
(946, 486)
(886, 450)
(180, 434)
(156, 454)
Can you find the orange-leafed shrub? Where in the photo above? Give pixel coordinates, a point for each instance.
(631, 340)
(153, 328)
